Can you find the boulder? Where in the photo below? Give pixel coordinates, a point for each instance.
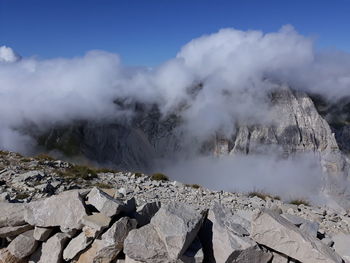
(342, 245)
(310, 227)
(52, 249)
(12, 214)
(277, 233)
(97, 221)
(111, 243)
(51, 212)
(76, 245)
(104, 203)
(42, 233)
(230, 241)
(11, 231)
(145, 212)
(23, 245)
(177, 226)
(144, 245)
(7, 257)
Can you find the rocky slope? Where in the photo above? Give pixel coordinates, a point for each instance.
(53, 211)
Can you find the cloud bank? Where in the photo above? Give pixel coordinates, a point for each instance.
(216, 80)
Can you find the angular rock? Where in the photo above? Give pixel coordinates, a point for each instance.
(229, 242)
(52, 249)
(11, 231)
(279, 258)
(12, 214)
(117, 233)
(251, 255)
(76, 245)
(96, 221)
(144, 245)
(177, 226)
(23, 245)
(145, 212)
(51, 212)
(42, 233)
(310, 227)
(274, 231)
(111, 243)
(194, 254)
(7, 257)
(342, 245)
(104, 203)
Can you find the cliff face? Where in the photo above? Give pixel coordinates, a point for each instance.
(295, 127)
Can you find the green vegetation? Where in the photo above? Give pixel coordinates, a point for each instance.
(64, 139)
(21, 196)
(43, 157)
(26, 160)
(299, 202)
(159, 177)
(79, 172)
(195, 186)
(137, 175)
(262, 195)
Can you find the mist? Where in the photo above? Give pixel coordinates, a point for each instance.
(293, 178)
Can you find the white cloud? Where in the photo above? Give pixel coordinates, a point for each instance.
(232, 65)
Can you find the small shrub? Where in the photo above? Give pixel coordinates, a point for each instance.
(26, 160)
(195, 186)
(262, 195)
(42, 158)
(21, 196)
(137, 175)
(79, 171)
(299, 202)
(159, 177)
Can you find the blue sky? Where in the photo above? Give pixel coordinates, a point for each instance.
(148, 32)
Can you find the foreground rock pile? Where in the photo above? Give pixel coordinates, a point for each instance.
(95, 226)
(125, 217)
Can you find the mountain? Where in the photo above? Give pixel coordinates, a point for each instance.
(296, 124)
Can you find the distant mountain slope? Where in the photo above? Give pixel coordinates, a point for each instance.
(295, 126)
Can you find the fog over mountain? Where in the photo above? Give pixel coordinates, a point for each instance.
(214, 85)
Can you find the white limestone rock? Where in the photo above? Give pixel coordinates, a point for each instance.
(274, 231)
(52, 249)
(177, 226)
(42, 233)
(23, 245)
(104, 203)
(65, 210)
